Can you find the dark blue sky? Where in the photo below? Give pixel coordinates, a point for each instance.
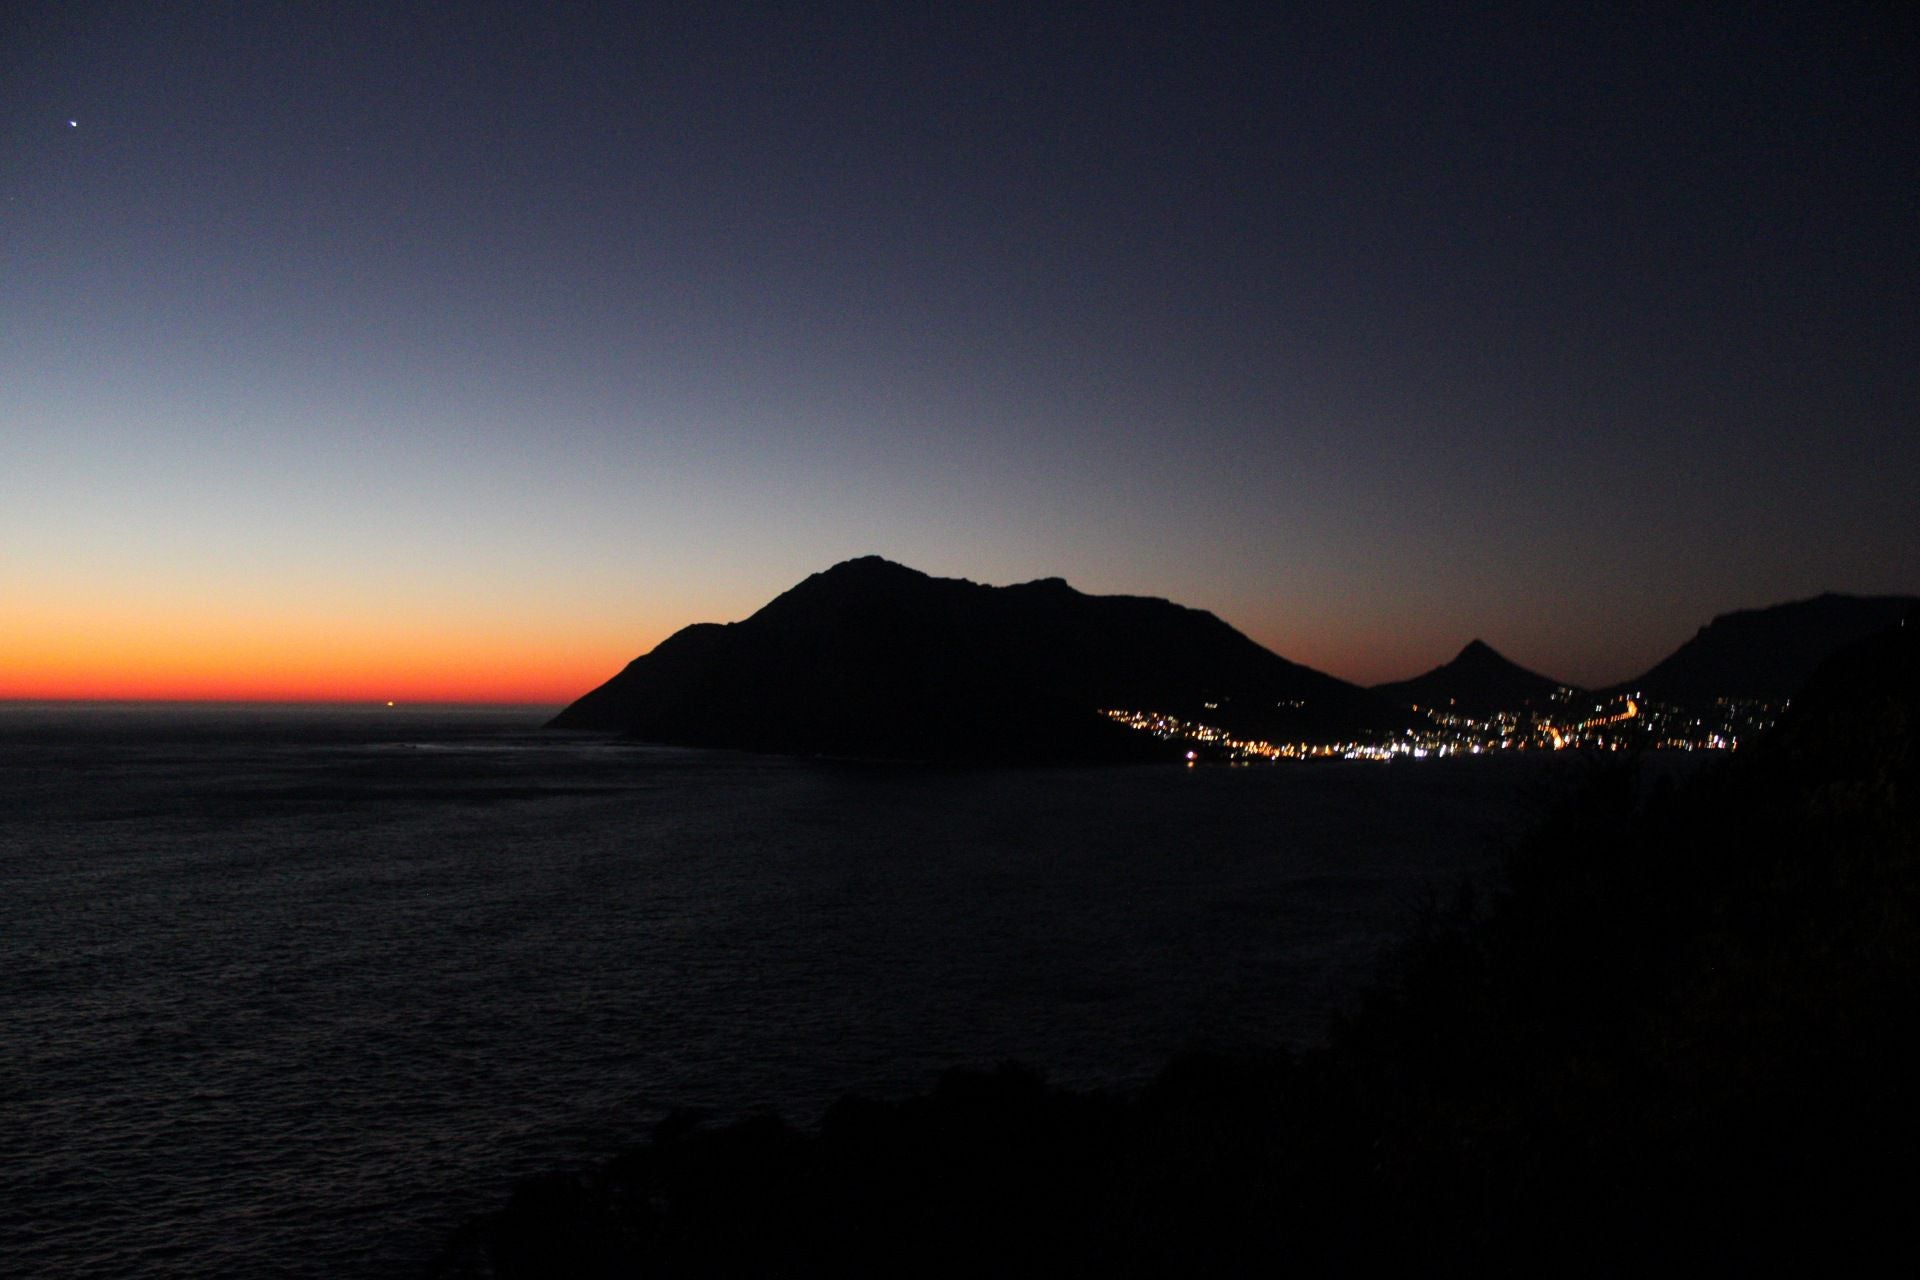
(1372, 330)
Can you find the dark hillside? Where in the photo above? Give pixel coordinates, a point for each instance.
(874, 659)
(1680, 1031)
(1681, 1034)
(1768, 654)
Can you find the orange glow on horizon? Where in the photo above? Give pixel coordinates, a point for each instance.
(291, 689)
(176, 658)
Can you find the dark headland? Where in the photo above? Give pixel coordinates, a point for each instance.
(1769, 653)
(873, 659)
(1680, 1034)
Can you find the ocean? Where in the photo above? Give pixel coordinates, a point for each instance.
(291, 991)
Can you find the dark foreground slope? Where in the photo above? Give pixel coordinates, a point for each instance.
(1479, 680)
(874, 659)
(1768, 653)
(1681, 1033)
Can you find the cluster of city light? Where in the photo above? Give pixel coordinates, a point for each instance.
(1170, 728)
(1220, 742)
(1623, 723)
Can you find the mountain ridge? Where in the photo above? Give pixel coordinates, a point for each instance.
(872, 658)
(1767, 653)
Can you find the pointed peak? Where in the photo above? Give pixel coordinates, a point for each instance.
(1479, 677)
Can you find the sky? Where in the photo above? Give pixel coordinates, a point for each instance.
(465, 352)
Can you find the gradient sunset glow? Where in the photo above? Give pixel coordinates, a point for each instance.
(415, 353)
(188, 655)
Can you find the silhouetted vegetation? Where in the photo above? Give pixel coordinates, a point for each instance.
(1679, 1032)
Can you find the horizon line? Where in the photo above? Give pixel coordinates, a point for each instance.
(376, 704)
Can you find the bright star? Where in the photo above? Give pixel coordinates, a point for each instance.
(73, 124)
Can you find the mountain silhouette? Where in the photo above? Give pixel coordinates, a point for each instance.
(1678, 1025)
(873, 659)
(1479, 680)
(1768, 653)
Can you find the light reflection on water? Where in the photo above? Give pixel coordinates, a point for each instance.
(289, 992)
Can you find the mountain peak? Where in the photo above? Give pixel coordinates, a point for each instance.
(1479, 679)
(871, 658)
(859, 583)
(869, 567)
(870, 561)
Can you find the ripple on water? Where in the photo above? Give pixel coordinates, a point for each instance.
(290, 996)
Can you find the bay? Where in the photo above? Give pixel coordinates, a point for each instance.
(290, 991)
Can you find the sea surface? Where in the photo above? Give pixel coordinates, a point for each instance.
(292, 991)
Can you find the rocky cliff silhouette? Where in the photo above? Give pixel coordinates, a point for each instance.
(873, 659)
